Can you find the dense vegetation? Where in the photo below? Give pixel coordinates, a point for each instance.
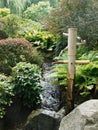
(26, 80)
(86, 75)
(30, 26)
(6, 93)
(14, 51)
(81, 14)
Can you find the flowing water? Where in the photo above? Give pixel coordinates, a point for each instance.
(51, 95)
(50, 99)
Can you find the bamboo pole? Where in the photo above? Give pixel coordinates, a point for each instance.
(72, 36)
(72, 43)
(76, 62)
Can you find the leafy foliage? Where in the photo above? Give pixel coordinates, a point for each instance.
(26, 78)
(3, 35)
(4, 12)
(15, 50)
(6, 93)
(28, 26)
(44, 39)
(3, 3)
(60, 45)
(10, 24)
(81, 14)
(53, 3)
(15, 26)
(37, 12)
(18, 6)
(91, 55)
(86, 75)
(60, 75)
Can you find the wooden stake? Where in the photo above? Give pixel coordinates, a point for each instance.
(72, 43)
(72, 36)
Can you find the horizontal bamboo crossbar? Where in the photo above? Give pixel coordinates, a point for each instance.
(65, 34)
(81, 43)
(76, 62)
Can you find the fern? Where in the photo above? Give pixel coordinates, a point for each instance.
(86, 75)
(60, 75)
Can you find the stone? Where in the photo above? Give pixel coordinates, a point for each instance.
(84, 117)
(42, 119)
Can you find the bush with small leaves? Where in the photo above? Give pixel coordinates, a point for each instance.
(26, 78)
(10, 24)
(13, 51)
(6, 93)
(37, 12)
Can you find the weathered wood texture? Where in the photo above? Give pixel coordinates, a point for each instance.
(72, 38)
(72, 43)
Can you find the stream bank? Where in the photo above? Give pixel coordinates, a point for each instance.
(17, 114)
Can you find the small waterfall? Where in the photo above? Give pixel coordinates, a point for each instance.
(51, 94)
(50, 101)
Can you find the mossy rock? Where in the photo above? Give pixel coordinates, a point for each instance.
(42, 120)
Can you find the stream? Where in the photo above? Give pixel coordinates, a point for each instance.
(50, 98)
(51, 94)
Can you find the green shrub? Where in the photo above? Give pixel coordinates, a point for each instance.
(4, 12)
(37, 12)
(27, 25)
(26, 78)
(18, 6)
(15, 50)
(41, 38)
(11, 24)
(3, 34)
(6, 93)
(80, 14)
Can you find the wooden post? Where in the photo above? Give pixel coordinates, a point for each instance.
(72, 36)
(72, 43)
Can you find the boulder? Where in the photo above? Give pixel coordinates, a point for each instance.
(84, 117)
(44, 120)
